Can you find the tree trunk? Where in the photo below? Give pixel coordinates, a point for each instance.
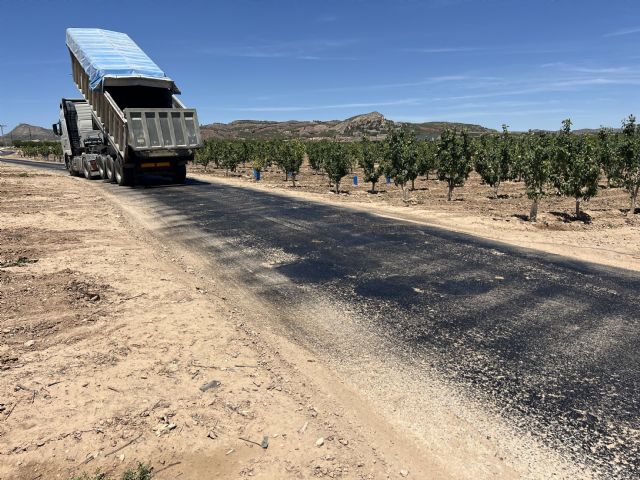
(450, 193)
(533, 214)
(577, 208)
(634, 197)
(337, 187)
(373, 187)
(496, 189)
(286, 176)
(405, 191)
(427, 175)
(293, 178)
(413, 184)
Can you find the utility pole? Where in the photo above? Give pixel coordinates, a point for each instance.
(2, 133)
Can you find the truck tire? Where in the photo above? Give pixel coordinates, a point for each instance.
(125, 177)
(85, 171)
(102, 167)
(69, 164)
(179, 175)
(110, 169)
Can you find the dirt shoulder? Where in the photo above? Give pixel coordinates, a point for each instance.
(605, 235)
(108, 339)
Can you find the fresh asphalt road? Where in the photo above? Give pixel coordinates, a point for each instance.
(552, 342)
(31, 163)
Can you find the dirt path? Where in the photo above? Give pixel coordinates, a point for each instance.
(107, 337)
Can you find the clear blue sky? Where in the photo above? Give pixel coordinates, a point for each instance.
(527, 63)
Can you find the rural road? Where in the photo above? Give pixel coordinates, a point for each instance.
(32, 163)
(548, 344)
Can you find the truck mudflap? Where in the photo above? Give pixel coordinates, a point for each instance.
(162, 129)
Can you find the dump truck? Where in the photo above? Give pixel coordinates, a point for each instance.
(130, 120)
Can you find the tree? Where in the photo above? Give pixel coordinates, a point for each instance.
(271, 150)
(402, 155)
(494, 159)
(427, 159)
(575, 168)
(607, 153)
(353, 151)
(535, 160)
(314, 152)
(336, 162)
(244, 153)
(217, 151)
(371, 161)
(258, 154)
(627, 171)
(290, 157)
(230, 155)
(454, 159)
(203, 155)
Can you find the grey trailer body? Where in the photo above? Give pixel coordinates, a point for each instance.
(145, 127)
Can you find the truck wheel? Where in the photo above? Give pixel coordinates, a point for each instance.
(125, 177)
(69, 164)
(85, 171)
(111, 169)
(179, 174)
(102, 167)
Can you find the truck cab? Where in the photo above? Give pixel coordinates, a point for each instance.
(83, 143)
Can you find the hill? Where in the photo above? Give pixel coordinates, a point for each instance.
(24, 132)
(373, 125)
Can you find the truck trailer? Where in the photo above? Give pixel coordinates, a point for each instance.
(130, 120)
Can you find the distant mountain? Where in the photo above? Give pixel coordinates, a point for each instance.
(24, 131)
(374, 125)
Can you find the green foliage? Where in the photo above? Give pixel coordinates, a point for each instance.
(289, 157)
(607, 153)
(569, 162)
(202, 156)
(336, 162)
(353, 152)
(627, 171)
(141, 472)
(402, 155)
(455, 157)
(575, 168)
(39, 149)
(314, 152)
(258, 154)
(227, 154)
(371, 161)
(231, 155)
(494, 159)
(536, 160)
(427, 158)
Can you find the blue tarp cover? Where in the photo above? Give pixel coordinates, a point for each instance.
(105, 54)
